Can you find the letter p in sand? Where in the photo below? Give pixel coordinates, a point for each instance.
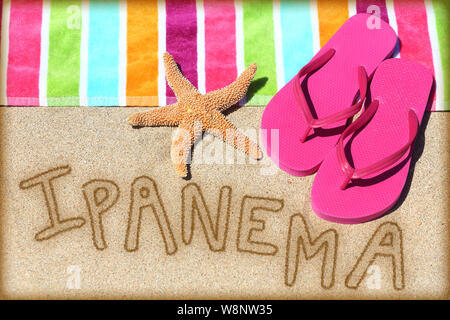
(100, 196)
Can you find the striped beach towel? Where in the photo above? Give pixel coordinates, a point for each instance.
(109, 52)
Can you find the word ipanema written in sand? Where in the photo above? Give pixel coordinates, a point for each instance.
(101, 195)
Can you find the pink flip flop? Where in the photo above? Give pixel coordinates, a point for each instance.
(363, 176)
(320, 96)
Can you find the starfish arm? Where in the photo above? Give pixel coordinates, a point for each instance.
(182, 143)
(179, 84)
(230, 95)
(164, 116)
(223, 129)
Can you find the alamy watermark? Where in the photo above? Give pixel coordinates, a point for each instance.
(374, 21)
(228, 147)
(73, 281)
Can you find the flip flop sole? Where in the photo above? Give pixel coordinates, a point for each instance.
(399, 85)
(331, 89)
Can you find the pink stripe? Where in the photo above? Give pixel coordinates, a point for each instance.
(1, 12)
(413, 31)
(24, 51)
(181, 39)
(220, 43)
(415, 43)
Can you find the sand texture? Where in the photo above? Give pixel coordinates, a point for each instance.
(126, 225)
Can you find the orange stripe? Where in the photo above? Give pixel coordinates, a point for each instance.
(332, 15)
(142, 53)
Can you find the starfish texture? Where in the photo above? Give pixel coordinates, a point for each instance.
(194, 113)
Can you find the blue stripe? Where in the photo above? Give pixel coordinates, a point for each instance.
(297, 38)
(103, 65)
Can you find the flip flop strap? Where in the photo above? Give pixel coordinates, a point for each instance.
(352, 173)
(312, 66)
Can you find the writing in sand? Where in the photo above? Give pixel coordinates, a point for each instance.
(101, 195)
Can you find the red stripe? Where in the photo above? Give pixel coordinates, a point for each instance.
(220, 43)
(412, 27)
(24, 52)
(412, 24)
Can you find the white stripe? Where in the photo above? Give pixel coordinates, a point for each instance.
(315, 26)
(122, 53)
(161, 50)
(351, 8)
(84, 52)
(240, 63)
(201, 46)
(4, 51)
(438, 72)
(278, 44)
(45, 29)
(392, 21)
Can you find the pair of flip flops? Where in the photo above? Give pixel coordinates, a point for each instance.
(361, 166)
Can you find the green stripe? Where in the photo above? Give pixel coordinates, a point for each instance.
(442, 15)
(259, 46)
(63, 76)
(258, 100)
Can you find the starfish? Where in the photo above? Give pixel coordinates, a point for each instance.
(195, 113)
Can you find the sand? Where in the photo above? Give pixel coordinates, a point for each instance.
(94, 148)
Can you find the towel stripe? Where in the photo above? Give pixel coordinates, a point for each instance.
(142, 57)
(122, 85)
(438, 102)
(64, 53)
(413, 31)
(442, 16)
(109, 52)
(240, 64)
(1, 65)
(24, 52)
(393, 23)
(259, 47)
(296, 28)
(1, 12)
(181, 39)
(84, 53)
(363, 5)
(315, 25)
(4, 51)
(352, 8)
(161, 50)
(103, 71)
(43, 69)
(332, 15)
(278, 42)
(201, 63)
(220, 43)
